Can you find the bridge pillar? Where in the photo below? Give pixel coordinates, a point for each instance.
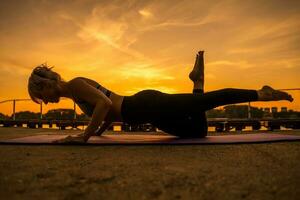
(41, 110)
(75, 111)
(249, 110)
(14, 109)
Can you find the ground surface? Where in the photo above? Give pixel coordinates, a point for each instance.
(247, 171)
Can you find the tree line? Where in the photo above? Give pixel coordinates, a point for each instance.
(53, 114)
(241, 111)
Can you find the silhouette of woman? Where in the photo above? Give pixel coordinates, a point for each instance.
(182, 114)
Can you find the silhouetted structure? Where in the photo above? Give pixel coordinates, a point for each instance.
(59, 114)
(284, 109)
(26, 115)
(232, 116)
(274, 109)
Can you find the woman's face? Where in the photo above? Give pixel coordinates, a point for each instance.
(50, 93)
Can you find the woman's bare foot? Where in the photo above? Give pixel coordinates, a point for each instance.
(197, 74)
(269, 94)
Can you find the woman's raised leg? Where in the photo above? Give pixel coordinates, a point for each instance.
(197, 123)
(194, 125)
(197, 74)
(178, 114)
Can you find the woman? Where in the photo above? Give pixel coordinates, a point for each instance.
(182, 114)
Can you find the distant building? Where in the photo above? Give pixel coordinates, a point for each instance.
(267, 110)
(284, 109)
(274, 109)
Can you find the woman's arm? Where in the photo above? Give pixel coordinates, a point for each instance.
(99, 114)
(103, 127)
(84, 91)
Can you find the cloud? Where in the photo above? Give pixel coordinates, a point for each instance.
(153, 42)
(110, 30)
(226, 63)
(145, 13)
(143, 71)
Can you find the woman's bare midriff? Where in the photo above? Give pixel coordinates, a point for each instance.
(115, 113)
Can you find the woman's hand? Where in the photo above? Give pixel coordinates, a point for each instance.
(104, 126)
(72, 139)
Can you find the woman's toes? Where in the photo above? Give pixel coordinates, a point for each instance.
(284, 96)
(269, 94)
(200, 53)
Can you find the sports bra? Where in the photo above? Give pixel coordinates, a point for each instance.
(88, 108)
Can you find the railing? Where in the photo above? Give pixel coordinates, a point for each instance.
(220, 125)
(41, 107)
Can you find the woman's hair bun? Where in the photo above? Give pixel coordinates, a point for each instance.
(45, 71)
(40, 76)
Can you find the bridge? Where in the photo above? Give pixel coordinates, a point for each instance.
(219, 125)
(41, 107)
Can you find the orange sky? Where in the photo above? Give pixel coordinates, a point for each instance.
(128, 46)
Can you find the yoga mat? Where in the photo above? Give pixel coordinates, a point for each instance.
(158, 139)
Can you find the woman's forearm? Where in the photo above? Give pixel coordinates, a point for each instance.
(99, 114)
(104, 126)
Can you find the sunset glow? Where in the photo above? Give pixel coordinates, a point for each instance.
(128, 46)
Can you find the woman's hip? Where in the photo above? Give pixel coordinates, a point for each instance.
(140, 107)
(149, 105)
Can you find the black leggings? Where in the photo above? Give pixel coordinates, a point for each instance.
(179, 114)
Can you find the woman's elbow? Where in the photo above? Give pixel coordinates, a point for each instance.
(103, 106)
(109, 103)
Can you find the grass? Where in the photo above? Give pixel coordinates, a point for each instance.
(247, 171)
